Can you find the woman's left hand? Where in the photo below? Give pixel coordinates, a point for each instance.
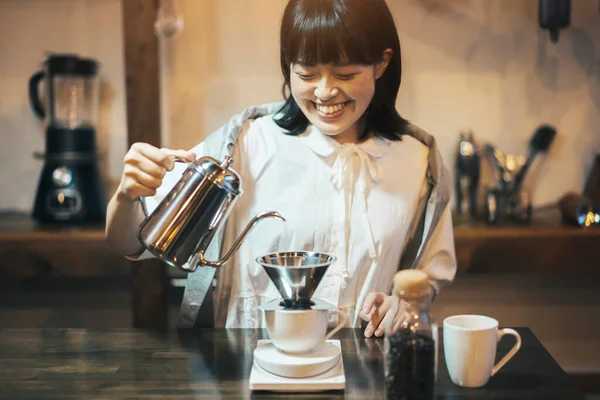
(375, 311)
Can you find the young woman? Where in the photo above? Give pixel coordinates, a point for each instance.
(349, 174)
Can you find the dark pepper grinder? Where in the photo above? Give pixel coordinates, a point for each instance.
(411, 340)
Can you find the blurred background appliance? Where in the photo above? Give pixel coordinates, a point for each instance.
(70, 189)
(467, 175)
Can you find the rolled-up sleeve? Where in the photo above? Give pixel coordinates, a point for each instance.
(439, 257)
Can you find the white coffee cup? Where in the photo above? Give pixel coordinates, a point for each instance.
(470, 343)
(300, 331)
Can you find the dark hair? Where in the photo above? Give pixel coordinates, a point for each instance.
(343, 32)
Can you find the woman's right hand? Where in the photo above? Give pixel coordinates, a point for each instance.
(145, 168)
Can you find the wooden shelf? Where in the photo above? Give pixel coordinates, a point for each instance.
(52, 235)
(544, 247)
(532, 250)
(27, 249)
(522, 232)
(30, 250)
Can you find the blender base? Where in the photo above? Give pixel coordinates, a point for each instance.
(332, 379)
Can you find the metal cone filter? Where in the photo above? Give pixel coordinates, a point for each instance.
(296, 274)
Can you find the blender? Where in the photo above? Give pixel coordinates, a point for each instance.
(70, 189)
(299, 355)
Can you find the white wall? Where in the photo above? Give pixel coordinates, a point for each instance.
(467, 63)
(28, 28)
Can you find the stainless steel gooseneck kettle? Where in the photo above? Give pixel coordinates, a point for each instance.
(184, 223)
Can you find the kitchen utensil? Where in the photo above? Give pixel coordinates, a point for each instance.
(467, 175)
(502, 206)
(296, 274)
(70, 189)
(505, 198)
(498, 160)
(539, 143)
(184, 223)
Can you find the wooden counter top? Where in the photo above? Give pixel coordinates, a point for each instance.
(215, 364)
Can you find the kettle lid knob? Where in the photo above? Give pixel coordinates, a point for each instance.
(219, 173)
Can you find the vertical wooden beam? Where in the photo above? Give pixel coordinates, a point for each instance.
(149, 278)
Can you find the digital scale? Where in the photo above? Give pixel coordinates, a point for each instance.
(319, 370)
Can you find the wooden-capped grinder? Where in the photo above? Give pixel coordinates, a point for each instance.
(411, 284)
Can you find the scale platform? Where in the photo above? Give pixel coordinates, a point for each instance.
(329, 357)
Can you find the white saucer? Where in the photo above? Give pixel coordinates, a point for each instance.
(302, 365)
(332, 377)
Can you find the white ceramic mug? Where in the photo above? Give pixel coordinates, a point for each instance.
(300, 331)
(470, 343)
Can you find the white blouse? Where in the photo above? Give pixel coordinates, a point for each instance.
(354, 201)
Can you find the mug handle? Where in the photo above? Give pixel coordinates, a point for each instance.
(344, 315)
(512, 352)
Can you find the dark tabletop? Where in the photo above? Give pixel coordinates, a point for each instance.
(215, 364)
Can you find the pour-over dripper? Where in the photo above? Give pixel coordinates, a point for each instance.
(296, 274)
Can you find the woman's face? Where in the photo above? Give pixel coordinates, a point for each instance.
(335, 97)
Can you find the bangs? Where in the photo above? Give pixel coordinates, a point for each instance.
(320, 37)
(342, 32)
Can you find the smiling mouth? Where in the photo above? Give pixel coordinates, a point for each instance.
(330, 110)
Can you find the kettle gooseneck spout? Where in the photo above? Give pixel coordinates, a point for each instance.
(204, 262)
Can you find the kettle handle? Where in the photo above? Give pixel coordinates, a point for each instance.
(177, 158)
(239, 240)
(34, 97)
